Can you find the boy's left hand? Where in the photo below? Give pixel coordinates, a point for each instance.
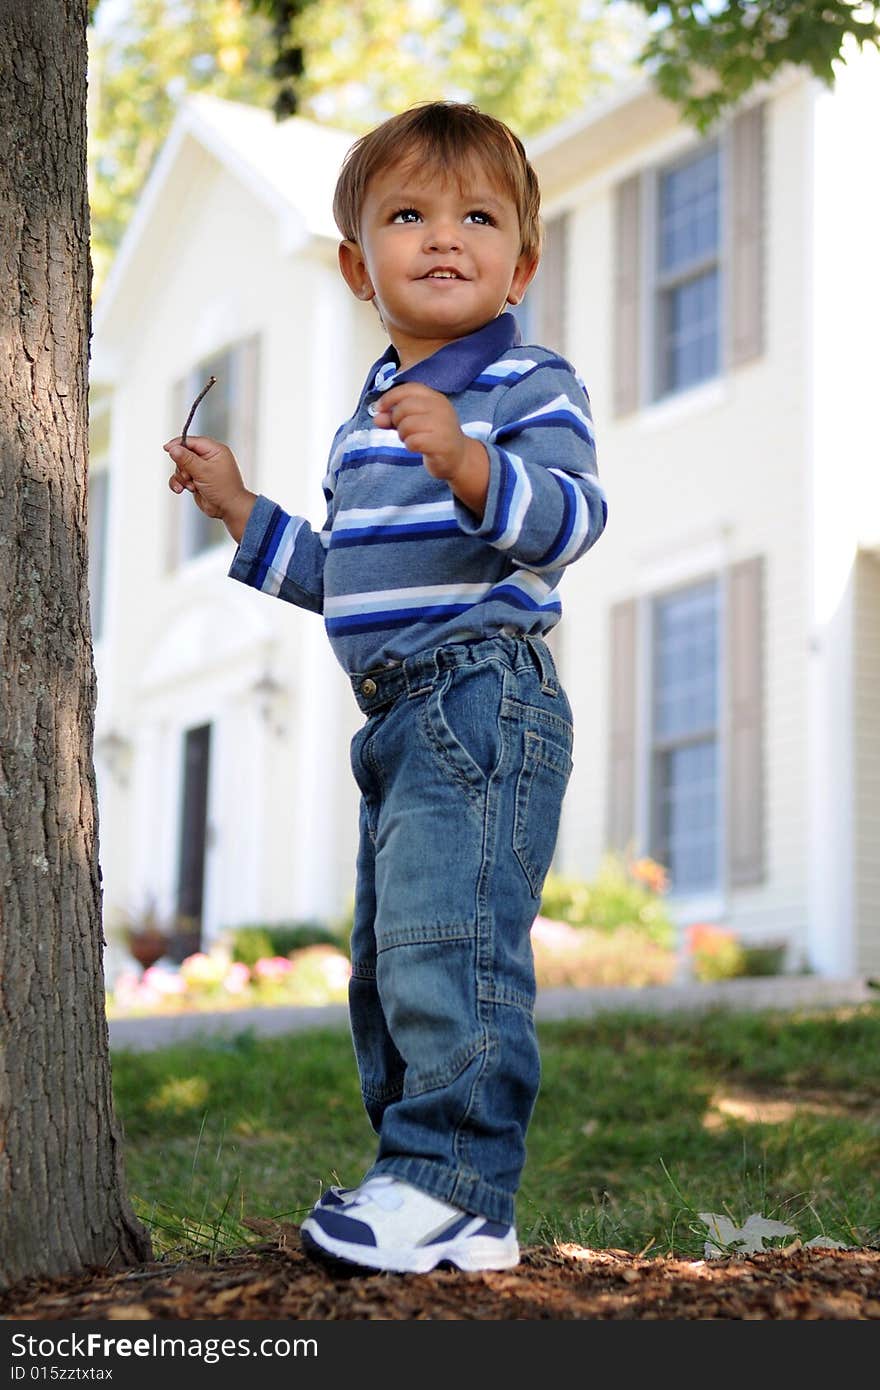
(427, 425)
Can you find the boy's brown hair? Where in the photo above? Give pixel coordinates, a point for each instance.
(444, 136)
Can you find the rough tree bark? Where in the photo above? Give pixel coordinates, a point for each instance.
(63, 1206)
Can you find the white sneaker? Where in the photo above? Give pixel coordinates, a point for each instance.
(389, 1224)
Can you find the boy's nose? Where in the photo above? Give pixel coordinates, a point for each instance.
(443, 236)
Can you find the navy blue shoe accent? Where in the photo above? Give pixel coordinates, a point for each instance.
(496, 1229)
(333, 1197)
(452, 1230)
(388, 1224)
(340, 1227)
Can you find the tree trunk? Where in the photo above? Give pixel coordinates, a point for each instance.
(63, 1206)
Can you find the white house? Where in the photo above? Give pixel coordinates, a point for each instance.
(721, 644)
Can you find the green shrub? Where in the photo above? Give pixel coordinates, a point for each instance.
(766, 959)
(623, 894)
(715, 952)
(255, 941)
(294, 936)
(249, 944)
(582, 958)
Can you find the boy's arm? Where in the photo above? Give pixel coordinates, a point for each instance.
(544, 506)
(530, 485)
(282, 555)
(277, 553)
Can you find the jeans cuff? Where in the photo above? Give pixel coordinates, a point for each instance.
(470, 1194)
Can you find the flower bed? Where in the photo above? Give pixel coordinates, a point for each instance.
(589, 959)
(213, 980)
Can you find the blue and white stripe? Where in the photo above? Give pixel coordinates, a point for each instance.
(560, 413)
(401, 562)
(375, 525)
(515, 496)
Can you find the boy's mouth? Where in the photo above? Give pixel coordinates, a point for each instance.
(443, 272)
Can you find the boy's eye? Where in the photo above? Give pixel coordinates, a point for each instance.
(482, 219)
(406, 215)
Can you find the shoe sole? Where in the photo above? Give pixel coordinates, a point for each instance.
(470, 1256)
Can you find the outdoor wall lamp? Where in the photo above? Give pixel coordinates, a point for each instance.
(114, 751)
(271, 698)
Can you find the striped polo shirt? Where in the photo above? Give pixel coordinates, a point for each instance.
(400, 563)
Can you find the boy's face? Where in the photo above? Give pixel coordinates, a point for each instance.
(440, 257)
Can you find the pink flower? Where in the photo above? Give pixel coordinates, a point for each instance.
(237, 978)
(553, 935)
(272, 968)
(164, 982)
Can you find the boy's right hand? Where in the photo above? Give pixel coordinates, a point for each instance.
(208, 470)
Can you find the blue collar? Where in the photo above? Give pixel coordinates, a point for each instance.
(451, 368)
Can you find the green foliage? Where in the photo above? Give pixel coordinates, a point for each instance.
(253, 940)
(706, 57)
(249, 944)
(768, 959)
(582, 958)
(703, 56)
(715, 953)
(622, 894)
(139, 67)
(531, 64)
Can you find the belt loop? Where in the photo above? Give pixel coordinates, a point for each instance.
(420, 672)
(543, 664)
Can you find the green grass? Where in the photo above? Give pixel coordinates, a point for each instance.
(641, 1123)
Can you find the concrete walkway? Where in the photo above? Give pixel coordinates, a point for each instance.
(747, 995)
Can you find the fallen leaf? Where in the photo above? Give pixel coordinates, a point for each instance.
(747, 1239)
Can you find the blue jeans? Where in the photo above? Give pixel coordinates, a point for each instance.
(462, 765)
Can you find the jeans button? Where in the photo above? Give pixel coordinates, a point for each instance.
(368, 688)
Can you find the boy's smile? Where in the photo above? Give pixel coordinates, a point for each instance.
(440, 256)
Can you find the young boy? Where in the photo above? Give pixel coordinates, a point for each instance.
(458, 491)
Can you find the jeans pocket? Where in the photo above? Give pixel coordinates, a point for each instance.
(461, 719)
(541, 785)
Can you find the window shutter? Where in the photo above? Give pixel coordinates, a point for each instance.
(746, 237)
(622, 724)
(627, 294)
(248, 404)
(551, 286)
(745, 665)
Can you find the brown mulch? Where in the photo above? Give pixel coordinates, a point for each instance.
(275, 1280)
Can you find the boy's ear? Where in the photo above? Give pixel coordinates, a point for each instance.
(522, 278)
(354, 270)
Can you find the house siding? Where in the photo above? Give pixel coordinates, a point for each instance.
(695, 481)
(748, 466)
(184, 648)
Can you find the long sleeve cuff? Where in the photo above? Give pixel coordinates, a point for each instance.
(249, 547)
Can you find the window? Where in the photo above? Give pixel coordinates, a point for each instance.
(669, 746)
(684, 830)
(688, 238)
(687, 273)
(226, 413)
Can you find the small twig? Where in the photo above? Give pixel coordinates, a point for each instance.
(192, 410)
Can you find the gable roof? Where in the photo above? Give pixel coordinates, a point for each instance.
(289, 166)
